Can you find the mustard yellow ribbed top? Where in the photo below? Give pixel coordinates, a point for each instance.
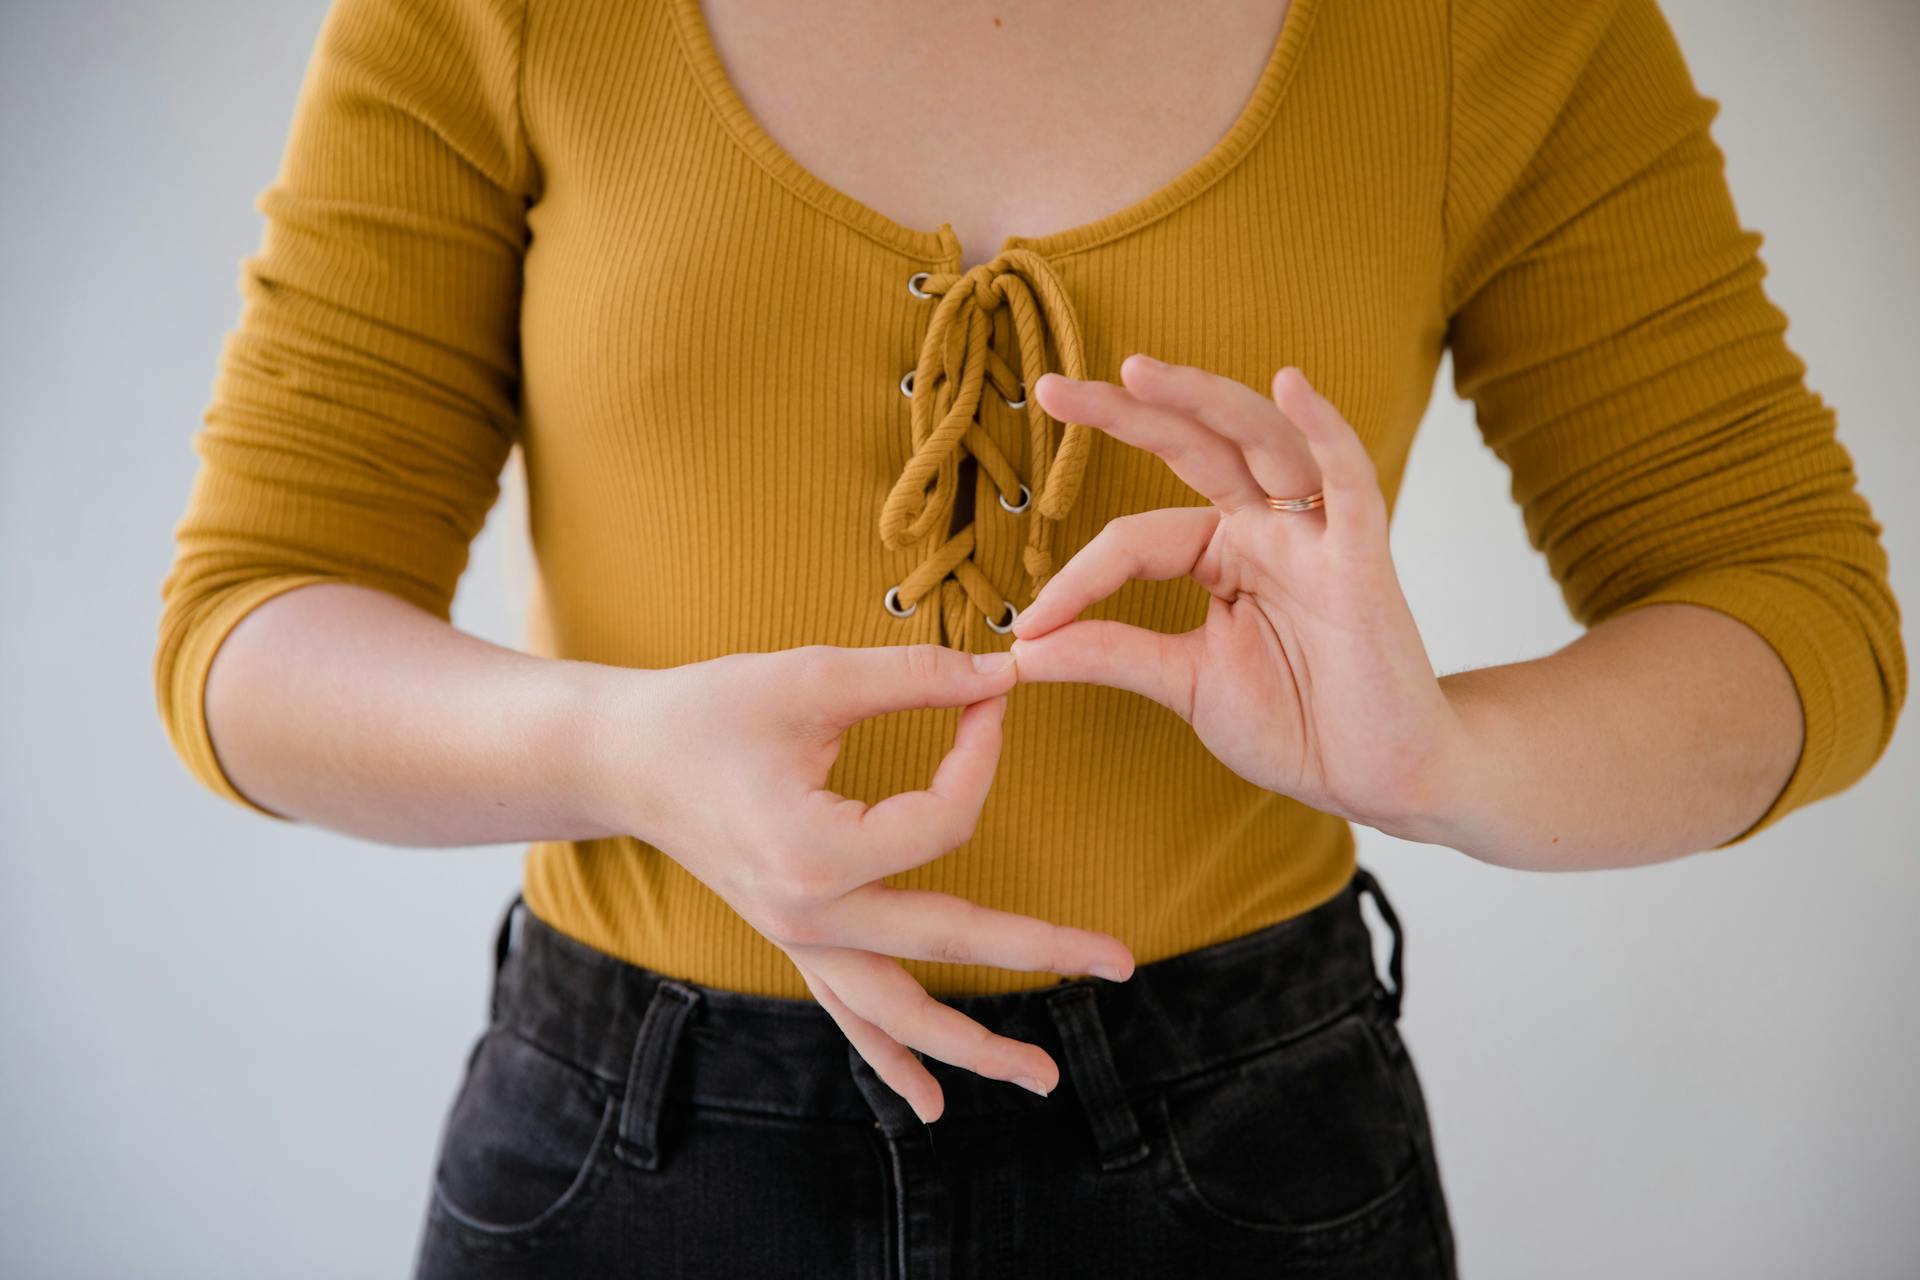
(554, 224)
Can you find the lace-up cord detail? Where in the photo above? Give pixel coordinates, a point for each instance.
(957, 360)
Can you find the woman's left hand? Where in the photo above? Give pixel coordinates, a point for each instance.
(1309, 676)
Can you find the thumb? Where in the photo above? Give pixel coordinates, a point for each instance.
(870, 681)
(1150, 663)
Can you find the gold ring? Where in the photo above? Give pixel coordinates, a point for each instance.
(1317, 498)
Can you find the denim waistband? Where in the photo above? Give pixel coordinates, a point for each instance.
(659, 1037)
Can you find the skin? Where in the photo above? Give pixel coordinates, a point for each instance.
(1000, 119)
(344, 707)
(1655, 734)
(1658, 733)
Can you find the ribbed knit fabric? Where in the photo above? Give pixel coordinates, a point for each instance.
(553, 223)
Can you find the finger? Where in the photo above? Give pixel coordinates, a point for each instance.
(1355, 508)
(855, 683)
(1159, 544)
(1150, 663)
(1207, 461)
(913, 827)
(1276, 452)
(922, 924)
(892, 1061)
(886, 995)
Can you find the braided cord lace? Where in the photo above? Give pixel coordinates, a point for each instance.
(957, 359)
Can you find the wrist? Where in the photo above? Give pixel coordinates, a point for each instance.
(595, 736)
(1452, 798)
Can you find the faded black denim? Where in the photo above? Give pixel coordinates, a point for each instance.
(1244, 1109)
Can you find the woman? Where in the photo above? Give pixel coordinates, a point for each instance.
(807, 895)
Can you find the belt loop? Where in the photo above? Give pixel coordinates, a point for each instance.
(1364, 882)
(653, 1044)
(1089, 1065)
(504, 940)
(892, 1113)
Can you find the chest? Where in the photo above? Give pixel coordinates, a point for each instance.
(718, 316)
(1001, 119)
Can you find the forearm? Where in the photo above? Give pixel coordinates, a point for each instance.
(351, 709)
(1658, 733)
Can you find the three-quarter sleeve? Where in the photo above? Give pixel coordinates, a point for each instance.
(367, 398)
(1608, 322)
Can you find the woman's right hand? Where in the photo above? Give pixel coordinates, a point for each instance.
(735, 794)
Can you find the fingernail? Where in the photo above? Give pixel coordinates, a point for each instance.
(988, 663)
(1030, 1085)
(1106, 971)
(1148, 360)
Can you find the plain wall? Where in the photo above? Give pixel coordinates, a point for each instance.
(227, 1045)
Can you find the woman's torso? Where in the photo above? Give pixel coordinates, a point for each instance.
(715, 329)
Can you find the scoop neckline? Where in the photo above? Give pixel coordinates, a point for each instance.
(943, 244)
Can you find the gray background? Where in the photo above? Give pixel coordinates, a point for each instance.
(226, 1045)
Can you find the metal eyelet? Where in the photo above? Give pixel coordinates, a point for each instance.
(1021, 403)
(1026, 500)
(892, 600)
(906, 385)
(1003, 628)
(913, 284)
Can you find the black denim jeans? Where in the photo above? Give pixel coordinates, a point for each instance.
(1244, 1109)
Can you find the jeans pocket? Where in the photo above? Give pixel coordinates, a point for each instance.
(1306, 1142)
(525, 1150)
